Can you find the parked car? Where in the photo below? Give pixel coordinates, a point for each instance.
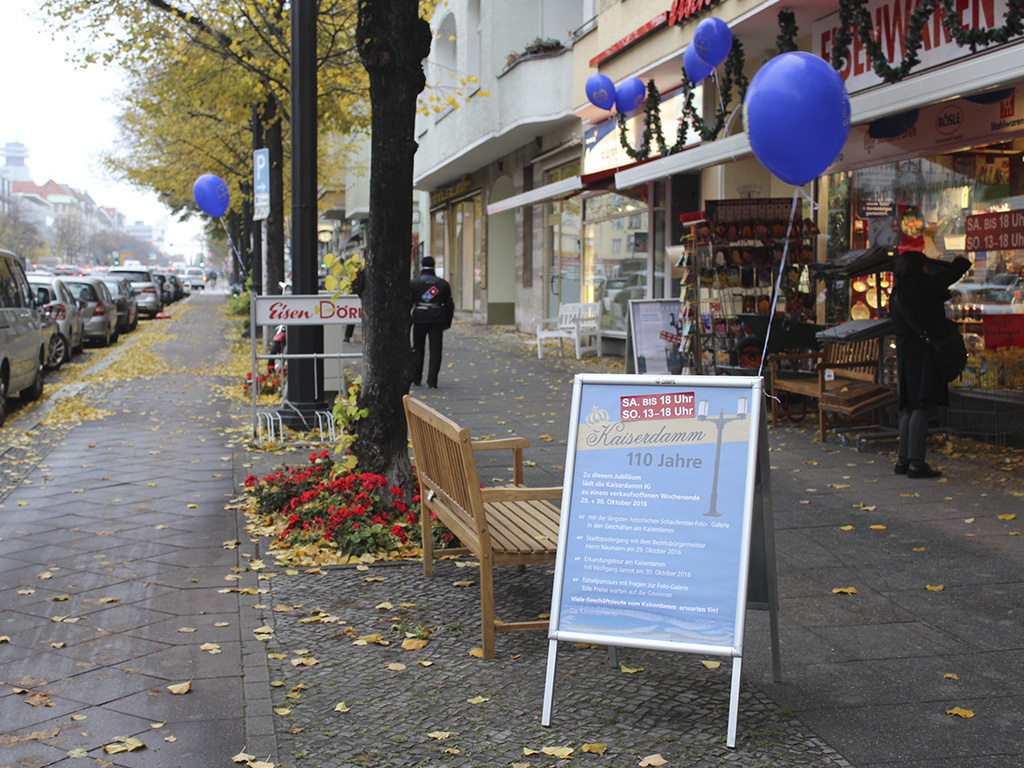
(98, 308)
(194, 278)
(22, 349)
(166, 290)
(56, 302)
(177, 286)
(125, 298)
(150, 296)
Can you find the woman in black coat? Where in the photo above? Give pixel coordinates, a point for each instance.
(921, 290)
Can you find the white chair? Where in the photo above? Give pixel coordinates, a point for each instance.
(579, 323)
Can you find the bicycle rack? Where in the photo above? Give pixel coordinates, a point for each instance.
(325, 420)
(274, 425)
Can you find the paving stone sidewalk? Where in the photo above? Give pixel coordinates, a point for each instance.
(112, 559)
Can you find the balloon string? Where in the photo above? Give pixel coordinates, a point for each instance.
(721, 102)
(778, 279)
(234, 250)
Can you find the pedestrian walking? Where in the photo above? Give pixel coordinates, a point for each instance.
(920, 292)
(432, 312)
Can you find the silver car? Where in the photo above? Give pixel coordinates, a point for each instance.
(150, 297)
(98, 308)
(22, 351)
(56, 301)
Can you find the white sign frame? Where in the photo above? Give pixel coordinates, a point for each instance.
(650, 320)
(320, 309)
(663, 404)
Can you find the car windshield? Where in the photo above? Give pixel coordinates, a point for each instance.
(82, 291)
(1006, 280)
(137, 277)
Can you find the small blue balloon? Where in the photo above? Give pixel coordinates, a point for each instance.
(713, 40)
(630, 95)
(696, 68)
(601, 91)
(211, 195)
(797, 114)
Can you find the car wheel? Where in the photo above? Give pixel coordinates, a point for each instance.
(3, 401)
(58, 352)
(35, 391)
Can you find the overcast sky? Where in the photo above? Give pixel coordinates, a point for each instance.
(65, 117)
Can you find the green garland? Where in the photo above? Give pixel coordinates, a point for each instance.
(690, 116)
(853, 14)
(786, 41)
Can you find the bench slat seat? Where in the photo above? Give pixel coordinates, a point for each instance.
(507, 525)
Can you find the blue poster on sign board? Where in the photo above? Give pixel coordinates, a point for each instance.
(656, 514)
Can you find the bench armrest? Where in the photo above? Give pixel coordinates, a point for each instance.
(499, 444)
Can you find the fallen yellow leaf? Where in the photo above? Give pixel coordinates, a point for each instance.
(1008, 516)
(342, 707)
(845, 591)
(478, 699)
(180, 688)
(439, 735)
(629, 669)
(651, 761)
(414, 643)
(959, 712)
(560, 752)
(595, 749)
(934, 587)
(476, 653)
(846, 528)
(711, 664)
(396, 666)
(951, 676)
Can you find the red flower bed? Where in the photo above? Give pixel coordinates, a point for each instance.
(355, 513)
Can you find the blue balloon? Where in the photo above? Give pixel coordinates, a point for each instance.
(601, 91)
(713, 40)
(211, 195)
(797, 114)
(696, 68)
(630, 95)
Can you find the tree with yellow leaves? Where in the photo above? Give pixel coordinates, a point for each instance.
(204, 74)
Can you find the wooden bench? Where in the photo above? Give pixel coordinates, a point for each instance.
(579, 323)
(845, 380)
(512, 525)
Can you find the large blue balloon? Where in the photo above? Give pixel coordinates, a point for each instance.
(696, 68)
(601, 91)
(211, 195)
(797, 114)
(713, 40)
(630, 95)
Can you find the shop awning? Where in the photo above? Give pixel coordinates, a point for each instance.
(999, 68)
(558, 190)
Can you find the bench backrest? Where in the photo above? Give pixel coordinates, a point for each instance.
(449, 483)
(581, 314)
(859, 359)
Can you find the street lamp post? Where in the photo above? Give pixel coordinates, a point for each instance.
(720, 421)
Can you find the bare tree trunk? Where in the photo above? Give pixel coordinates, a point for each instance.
(393, 41)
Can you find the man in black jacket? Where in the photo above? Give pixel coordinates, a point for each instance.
(432, 312)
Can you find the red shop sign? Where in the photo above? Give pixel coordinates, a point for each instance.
(1001, 231)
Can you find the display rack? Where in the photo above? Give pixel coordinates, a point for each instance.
(730, 268)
